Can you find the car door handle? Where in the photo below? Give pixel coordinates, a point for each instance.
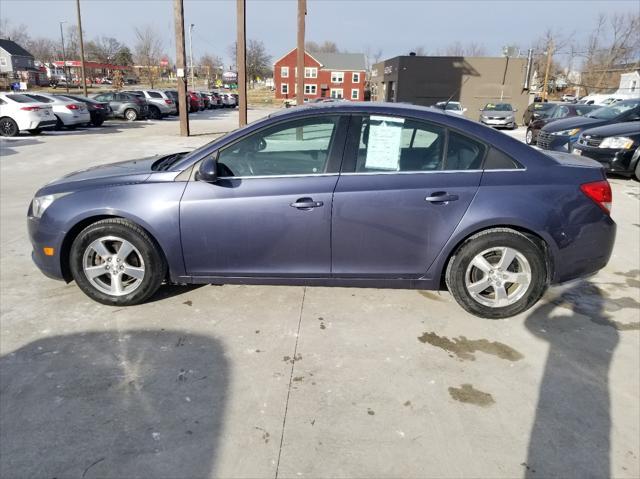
(441, 197)
(306, 204)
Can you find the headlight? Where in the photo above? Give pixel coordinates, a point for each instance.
(41, 203)
(567, 132)
(617, 142)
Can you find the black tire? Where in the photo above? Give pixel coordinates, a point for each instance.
(59, 124)
(529, 137)
(154, 113)
(8, 127)
(496, 238)
(97, 121)
(35, 131)
(637, 171)
(154, 263)
(130, 114)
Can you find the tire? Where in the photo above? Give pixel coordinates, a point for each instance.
(59, 123)
(130, 114)
(8, 127)
(529, 137)
(144, 260)
(154, 113)
(97, 122)
(637, 171)
(528, 264)
(35, 131)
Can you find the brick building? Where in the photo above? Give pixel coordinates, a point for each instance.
(335, 75)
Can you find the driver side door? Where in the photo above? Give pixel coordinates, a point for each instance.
(269, 212)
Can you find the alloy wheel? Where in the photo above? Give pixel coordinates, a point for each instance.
(498, 277)
(113, 266)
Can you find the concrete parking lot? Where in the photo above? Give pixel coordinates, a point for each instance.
(256, 381)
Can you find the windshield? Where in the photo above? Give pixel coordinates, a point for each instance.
(453, 106)
(609, 112)
(498, 107)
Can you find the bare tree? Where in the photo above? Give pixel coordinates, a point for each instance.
(147, 52)
(43, 49)
(16, 33)
(324, 47)
(371, 56)
(258, 60)
(103, 49)
(210, 66)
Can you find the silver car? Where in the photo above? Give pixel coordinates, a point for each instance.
(499, 115)
(160, 104)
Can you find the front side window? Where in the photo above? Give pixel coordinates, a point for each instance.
(337, 77)
(155, 94)
(284, 72)
(390, 144)
(299, 147)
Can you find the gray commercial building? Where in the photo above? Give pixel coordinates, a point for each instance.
(473, 81)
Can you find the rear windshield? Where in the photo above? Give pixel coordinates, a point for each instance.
(20, 98)
(41, 99)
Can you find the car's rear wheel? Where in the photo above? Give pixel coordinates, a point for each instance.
(154, 113)
(116, 262)
(59, 123)
(497, 273)
(97, 121)
(35, 131)
(529, 136)
(131, 114)
(8, 127)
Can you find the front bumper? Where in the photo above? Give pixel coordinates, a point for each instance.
(613, 161)
(547, 141)
(41, 237)
(500, 122)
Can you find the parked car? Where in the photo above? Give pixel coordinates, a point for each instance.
(98, 111)
(160, 104)
(614, 146)
(293, 199)
(451, 107)
(22, 113)
(69, 113)
(557, 112)
(560, 135)
(173, 94)
(217, 100)
(536, 110)
(206, 100)
(195, 102)
(498, 114)
(125, 105)
(568, 97)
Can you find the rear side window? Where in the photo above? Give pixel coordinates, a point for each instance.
(20, 98)
(496, 160)
(41, 99)
(401, 144)
(154, 94)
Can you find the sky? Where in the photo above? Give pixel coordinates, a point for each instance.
(395, 26)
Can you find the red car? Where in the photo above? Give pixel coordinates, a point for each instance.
(195, 102)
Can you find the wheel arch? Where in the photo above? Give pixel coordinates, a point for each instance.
(543, 243)
(74, 231)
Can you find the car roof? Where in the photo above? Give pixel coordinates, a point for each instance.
(631, 128)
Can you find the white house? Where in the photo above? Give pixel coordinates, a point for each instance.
(630, 84)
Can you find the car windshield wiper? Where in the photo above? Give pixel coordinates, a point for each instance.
(166, 162)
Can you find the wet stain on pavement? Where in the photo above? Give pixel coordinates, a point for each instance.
(468, 394)
(289, 359)
(407, 403)
(465, 348)
(371, 412)
(431, 295)
(188, 303)
(265, 434)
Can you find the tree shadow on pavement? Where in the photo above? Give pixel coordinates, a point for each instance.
(113, 404)
(570, 437)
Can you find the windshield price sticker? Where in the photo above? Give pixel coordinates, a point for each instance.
(383, 149)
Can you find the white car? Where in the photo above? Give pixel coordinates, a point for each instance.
(68, 112)
(568, 97)
(21, 113)
(451, 107)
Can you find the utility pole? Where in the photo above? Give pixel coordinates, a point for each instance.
(84, 78)
(64, 59)
(302, 11)
(178, 13)
(546, 71)
(193, 82)
(241, 49)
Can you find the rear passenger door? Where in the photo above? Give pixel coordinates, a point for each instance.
(404, 187)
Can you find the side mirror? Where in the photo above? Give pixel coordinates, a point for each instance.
(515, 109)
(208, 170)
(464, 110)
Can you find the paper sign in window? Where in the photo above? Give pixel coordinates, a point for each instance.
(383, 147)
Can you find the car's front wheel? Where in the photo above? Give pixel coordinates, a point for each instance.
(497, 273)
(529, 137)
(131, 114)
(116, 262)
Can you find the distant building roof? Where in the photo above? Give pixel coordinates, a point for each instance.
(12, 48)
(340, 61)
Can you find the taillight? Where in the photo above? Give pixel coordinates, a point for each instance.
(600, 193)
(30, 108)
(72, 107)
(169, 102)
(98, 107)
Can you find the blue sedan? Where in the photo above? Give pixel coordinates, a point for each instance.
(362, 194)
